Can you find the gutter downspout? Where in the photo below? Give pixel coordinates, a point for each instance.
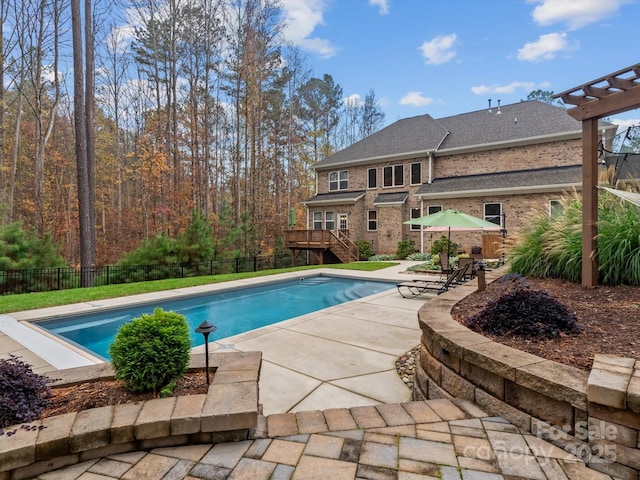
(422, 212)
(432, 155)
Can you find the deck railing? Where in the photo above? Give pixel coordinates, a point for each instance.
(338, 242)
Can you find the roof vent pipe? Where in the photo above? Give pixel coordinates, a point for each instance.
(489, 105)
(498, 112)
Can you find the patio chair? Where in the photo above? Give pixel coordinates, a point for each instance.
(466, 264)
(418, 287)
(445, 266)
(476, 254)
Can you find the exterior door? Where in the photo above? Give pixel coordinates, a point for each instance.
(343, 222)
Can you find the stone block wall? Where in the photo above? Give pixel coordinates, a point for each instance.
(228, 412)
(593, 415)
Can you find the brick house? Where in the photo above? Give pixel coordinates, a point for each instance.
(495, 164)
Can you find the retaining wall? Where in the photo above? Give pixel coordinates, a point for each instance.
(227, 412)
(593, 415)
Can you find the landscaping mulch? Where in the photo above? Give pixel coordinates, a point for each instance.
(608, 317)
(111, 392)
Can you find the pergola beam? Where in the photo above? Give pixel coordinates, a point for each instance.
(614, 93)
(613, 103)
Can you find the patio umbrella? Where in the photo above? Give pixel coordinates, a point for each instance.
(448, 220)
(292, 217)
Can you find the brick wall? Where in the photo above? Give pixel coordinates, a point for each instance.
(554, 154)
(391, 229)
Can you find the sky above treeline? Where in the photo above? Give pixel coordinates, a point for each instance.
(446, 57)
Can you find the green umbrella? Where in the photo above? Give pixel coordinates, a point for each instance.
(292, 217)
(447, 220)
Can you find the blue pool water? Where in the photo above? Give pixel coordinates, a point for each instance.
(232, 312)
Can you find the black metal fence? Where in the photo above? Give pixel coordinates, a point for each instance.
(50, 279)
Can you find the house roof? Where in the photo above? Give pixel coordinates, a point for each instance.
(335, 198)
(626, 165)
(525, 122)
(397, 198)
(519, 181)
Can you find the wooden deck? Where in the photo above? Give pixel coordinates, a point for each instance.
(320, 241)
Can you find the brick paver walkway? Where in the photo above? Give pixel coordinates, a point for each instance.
(409, 441)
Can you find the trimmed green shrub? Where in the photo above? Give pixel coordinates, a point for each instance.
(383, 257)
(23, 393)
(151, 351)
(420, 257)
(366, 249)
(440, 245)
(405, 247)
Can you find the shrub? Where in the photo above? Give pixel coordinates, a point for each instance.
(552, 246)
(22, 249)
(405, 247)
(383, 257)
(524, 313)
(440, 245)
(366, 249)
(23, 393)
(151, 351)
(420, 257)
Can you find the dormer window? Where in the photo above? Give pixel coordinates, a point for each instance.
(339, 180)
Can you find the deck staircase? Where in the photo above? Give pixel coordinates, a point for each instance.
(320, 241)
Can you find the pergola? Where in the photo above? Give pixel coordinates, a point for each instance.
(614, 93)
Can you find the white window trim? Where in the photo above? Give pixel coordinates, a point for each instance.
(554, 201)
(337, 172)
(411, 173)
(429, 207)
(327, 221)
(368, 220)
(368, 170)
(393, 176)
(415, 228)
(484, 212)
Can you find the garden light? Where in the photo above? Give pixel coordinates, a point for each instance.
(205, 328)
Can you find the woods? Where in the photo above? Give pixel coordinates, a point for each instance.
(198, 105)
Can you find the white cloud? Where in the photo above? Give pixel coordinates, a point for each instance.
(416, 99)
(504, 89)
(440, 49)
(383, 6)
(301, 19)
(574, 13)
(545, 48)
(353, 100)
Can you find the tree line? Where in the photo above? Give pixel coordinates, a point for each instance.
(185, 104)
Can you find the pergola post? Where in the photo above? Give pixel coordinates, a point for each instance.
(589, 202)
(614, 93)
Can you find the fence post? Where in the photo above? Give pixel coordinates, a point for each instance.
(255, 263)
(237, 264)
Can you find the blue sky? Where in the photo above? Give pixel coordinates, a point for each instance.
(445, 57)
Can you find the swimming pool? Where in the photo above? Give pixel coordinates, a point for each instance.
(232, 311)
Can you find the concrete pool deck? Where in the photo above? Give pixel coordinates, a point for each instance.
(342, 356)
(353, 419)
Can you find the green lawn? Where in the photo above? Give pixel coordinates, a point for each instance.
(30, 301)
